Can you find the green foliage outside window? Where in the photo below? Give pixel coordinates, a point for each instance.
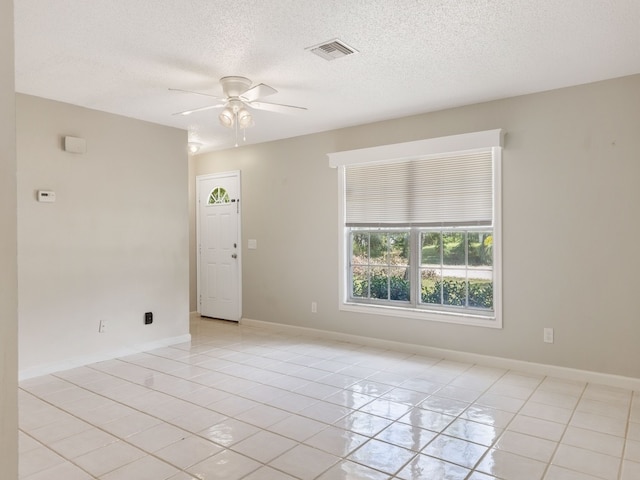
(454, 293)
(453, 290)
(382, 287)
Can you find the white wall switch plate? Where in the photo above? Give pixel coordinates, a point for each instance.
(548, 335)
(252, 244)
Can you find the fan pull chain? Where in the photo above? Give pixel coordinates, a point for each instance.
(236, 125)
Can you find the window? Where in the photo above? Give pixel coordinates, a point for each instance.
(421, 229)
(218, 196)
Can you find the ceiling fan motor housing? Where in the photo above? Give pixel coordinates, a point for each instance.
(235, 86)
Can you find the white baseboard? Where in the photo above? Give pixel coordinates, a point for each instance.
(567, 373)
(88, 359)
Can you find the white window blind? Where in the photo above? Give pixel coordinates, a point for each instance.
(441, 191)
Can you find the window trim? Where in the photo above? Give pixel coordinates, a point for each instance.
(440, 146)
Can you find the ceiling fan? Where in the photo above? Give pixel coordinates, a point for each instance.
(238, 95)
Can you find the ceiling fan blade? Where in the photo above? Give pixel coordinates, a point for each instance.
(197, 93)
(201, 109)
(258, 91)
(276, 107)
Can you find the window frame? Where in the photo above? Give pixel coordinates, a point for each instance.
(490, 140)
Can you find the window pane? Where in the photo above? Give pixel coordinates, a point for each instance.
(431, 286)
(360, 282)
(399, 248)
(480, 246)
(399, 284)
(379, 283)
(454, 291)
(481, 290)
(453, 248)
(360, 248)
(431, 248)
(379, 248)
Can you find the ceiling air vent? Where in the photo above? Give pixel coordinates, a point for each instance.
(332, 49)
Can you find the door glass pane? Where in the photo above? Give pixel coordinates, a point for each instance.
(218, 196)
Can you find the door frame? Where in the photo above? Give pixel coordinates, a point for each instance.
(199, 180)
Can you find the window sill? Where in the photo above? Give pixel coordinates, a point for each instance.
(465, 318)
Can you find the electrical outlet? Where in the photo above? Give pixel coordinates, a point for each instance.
(548, 335)
(314, 307)
(148, 318)
(102, 326)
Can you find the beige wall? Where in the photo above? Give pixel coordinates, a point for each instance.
(570, 227)
(114, 244)
(8, 265)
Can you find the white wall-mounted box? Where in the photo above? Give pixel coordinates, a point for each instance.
(75, 145)
(47, 196)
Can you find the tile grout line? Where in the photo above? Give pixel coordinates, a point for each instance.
(564, 431)
(626, 436)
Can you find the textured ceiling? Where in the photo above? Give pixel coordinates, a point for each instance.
(122, 56)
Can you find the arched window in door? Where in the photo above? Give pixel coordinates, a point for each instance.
(218, 196)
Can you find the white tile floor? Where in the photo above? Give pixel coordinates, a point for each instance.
(245, 403)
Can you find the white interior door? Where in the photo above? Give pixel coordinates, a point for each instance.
(218, 236)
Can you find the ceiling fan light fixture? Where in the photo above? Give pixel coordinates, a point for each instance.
(226, 117)
(245, 119)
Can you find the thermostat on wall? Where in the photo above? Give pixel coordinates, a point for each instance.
(46, 196)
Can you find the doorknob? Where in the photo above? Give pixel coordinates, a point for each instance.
(234, 255)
